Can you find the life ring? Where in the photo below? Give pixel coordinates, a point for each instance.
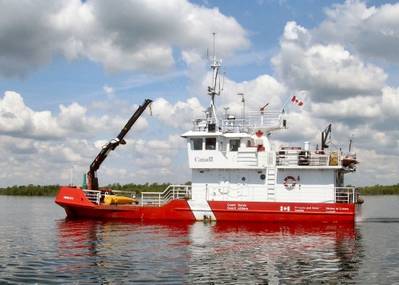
(289, 182)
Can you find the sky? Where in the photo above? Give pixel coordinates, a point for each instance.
(72, 73)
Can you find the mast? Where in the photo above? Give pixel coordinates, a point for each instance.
(215, 88)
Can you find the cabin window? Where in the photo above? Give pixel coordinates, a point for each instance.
(234, 145)
(196, 144)
(210, 143)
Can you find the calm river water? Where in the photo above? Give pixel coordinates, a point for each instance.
(38, 245)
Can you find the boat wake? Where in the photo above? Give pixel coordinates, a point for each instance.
(379, 220)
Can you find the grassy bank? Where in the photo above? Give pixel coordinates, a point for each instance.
(380, 190)
(30, 190)
(51, 190)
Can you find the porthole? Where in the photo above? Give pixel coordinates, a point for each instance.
(262, 177)
(243, 179)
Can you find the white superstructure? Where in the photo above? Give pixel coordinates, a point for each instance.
(232, 159)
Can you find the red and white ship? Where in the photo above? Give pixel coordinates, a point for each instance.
(237, 175)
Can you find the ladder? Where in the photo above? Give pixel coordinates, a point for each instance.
(271, 184)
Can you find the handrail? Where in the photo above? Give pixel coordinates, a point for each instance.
(303, 158)
(252, 120)
(345, 195)
(93, 196)
(171, 192)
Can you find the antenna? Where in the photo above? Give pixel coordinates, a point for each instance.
(350, 143)
(243, 104)
(214, 46)
(215, 87)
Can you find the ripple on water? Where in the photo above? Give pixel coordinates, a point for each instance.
(42, 247)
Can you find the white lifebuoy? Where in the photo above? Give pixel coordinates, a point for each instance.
(289, 182)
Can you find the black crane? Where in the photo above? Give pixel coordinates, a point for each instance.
(324, 136)
(92, 180)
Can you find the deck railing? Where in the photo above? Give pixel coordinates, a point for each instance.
(302, 158)
(94, 196)
(172, 192)
(345, 195)
(251, 121)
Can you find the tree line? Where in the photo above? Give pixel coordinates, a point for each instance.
(380, 190)
(51, 190)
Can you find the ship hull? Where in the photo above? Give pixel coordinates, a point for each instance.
(76, 205)
(282, 211)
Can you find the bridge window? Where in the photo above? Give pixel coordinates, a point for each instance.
(234, 145)
(210, 143)
(196, 144)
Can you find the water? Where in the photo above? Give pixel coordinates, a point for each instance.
(37, 245)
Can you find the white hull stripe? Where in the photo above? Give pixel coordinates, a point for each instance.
(201, 210)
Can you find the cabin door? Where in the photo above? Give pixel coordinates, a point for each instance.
(224, 187)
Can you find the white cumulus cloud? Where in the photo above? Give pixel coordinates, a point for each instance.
(372, 31)
(132, 35)
(178, 115)
(327, 71)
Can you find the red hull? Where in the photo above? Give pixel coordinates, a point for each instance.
(281, 211)
(75, 203)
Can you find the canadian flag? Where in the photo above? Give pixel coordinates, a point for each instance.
(296, 101)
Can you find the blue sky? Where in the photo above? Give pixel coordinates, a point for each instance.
(72, 72)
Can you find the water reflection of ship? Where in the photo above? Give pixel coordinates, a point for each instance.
(111, 251)
(78, 241)
(199, 252)
(274, 253)
(85, 237)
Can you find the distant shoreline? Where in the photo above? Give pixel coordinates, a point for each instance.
(380, 190)
(51, 190)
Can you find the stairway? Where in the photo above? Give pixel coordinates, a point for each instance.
(248, 158)
(271, 184)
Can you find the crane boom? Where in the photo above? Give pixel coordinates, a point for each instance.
(92, 180)
(324, 137)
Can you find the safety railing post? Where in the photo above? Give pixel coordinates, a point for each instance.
(336, 194)
(98, 198)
